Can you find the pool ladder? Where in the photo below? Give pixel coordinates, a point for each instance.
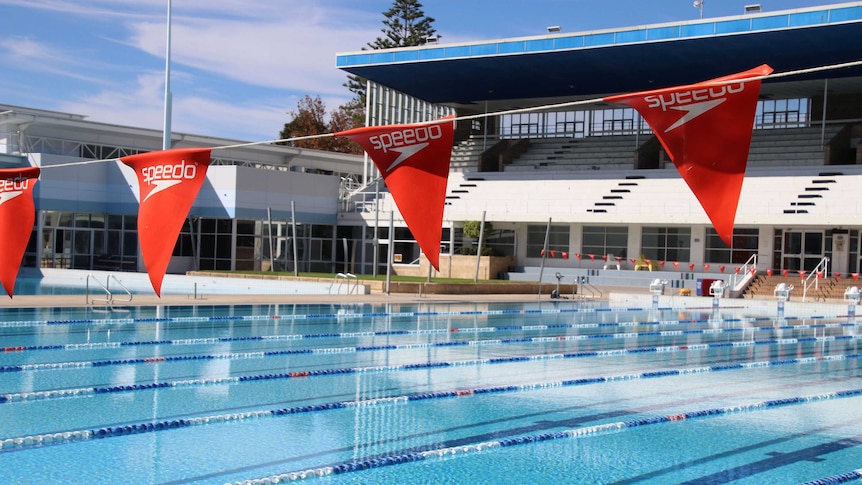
(586, 290)
(109, 298)
(341, 278)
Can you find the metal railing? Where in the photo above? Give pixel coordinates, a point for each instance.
(109, 298)
(587, 290)
(746, 273)
(342, 278)
(813, 278)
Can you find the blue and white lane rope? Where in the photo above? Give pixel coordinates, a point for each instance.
(89, 391)
(375, 348)
(388, 460)
(84, 435)
(850, 476)
(325, 316)
(351, 316)
(436, 331)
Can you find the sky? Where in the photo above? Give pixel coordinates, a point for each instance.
(239, 67)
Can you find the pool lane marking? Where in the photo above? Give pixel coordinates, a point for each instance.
(388, 333)
(84, 435)
(317, 316)
(464, 343)
(577, 433)
(341, 316)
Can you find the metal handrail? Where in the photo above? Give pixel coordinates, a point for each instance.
(341, 278)
(108, 284)
(738, 281)
(108, 297)
(585, 287)
(813, 278)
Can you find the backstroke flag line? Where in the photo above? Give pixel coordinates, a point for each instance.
(414, 161)
(706, 130)
(17, 215)
(169, 181)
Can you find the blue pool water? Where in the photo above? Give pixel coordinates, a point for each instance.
(548, 392)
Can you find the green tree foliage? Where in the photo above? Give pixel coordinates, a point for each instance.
(405, 25)
(310, 119)
(472, 230)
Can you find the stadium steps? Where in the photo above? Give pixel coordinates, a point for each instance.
(465, 155)
(828, 289)
(592, 153)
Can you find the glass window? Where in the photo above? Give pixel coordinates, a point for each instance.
(558, 239)
(602, 240)
(782, 113)
(666, 243)
(744, 245)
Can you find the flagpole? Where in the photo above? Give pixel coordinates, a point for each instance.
(166, 136)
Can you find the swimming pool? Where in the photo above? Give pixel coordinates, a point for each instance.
(544, 392)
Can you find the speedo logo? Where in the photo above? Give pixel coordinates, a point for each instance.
(166, 176)
(694, 102)
(13, 187)
(406, 142)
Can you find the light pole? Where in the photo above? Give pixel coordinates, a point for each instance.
(699, 5)
(166, 135)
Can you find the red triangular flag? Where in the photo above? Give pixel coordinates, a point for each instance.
(414, 162)
(17, 215)
(706, 130)
(169, 181)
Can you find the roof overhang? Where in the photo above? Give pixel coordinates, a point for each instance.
(532, 71)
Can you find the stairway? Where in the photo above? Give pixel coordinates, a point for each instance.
(828, 289)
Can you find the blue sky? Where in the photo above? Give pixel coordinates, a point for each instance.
(239, 67)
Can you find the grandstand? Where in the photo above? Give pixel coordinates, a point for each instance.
(595, 177)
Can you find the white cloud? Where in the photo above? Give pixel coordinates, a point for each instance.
(238, 68)
(285, 54)
(142, 105)
(39, 57)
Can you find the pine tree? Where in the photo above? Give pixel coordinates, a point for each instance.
(406, 25)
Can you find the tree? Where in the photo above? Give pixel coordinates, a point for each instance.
(472, 230)
(310, 119)
(406, 25)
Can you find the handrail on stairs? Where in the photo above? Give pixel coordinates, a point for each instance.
(813, 278)
(745, 274)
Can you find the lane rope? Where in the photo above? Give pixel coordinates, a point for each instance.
(387, 333)
(24, 442)
(577, 433)
(428, 345)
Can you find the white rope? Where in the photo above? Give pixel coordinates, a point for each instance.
(499, 113)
